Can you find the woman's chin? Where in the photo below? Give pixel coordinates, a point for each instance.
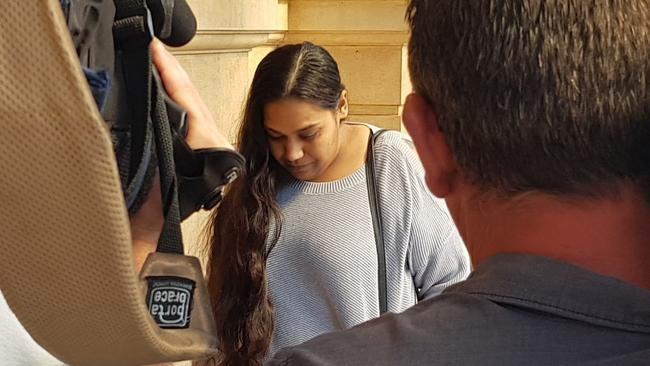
(303, 176)
(304, 172)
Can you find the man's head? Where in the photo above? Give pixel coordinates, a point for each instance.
(531, 96)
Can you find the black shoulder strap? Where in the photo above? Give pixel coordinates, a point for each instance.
(375, 212)
(133, 31)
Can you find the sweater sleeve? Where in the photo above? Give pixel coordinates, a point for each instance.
(437, 256)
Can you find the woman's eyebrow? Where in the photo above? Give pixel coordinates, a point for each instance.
(308, 127)
(269, 129)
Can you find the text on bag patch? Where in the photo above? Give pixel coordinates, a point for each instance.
(170, 301)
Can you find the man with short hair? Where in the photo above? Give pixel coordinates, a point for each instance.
(532, 120)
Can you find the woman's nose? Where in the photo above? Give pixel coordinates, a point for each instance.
(293, 151)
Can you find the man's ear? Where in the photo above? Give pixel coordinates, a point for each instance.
(342, 110)
(422, 124)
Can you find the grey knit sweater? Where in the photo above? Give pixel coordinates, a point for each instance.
(323, 270)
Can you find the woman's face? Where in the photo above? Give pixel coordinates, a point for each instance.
(303, 137)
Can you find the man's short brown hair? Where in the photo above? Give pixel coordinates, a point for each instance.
(537, 95)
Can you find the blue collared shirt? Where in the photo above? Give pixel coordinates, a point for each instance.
(514, 309)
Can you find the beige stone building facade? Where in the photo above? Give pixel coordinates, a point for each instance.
(366, 37)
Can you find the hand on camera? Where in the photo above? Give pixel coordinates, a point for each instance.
(147, 223)
(202, 132)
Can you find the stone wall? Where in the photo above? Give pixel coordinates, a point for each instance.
(367, 38)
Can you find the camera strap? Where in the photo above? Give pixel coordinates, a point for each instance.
(190, 179)
(150, 125)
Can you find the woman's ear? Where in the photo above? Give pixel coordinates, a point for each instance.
(342, 109)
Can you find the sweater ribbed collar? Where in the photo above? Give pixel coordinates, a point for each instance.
(339, 185)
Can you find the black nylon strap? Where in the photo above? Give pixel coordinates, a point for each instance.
(136, 66)
(171, 239)
(133, 26)
(375, 213)
(128, 8)
(133, 33)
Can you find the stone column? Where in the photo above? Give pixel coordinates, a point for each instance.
(368, 39)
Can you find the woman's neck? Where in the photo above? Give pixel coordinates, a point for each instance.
(353, 142)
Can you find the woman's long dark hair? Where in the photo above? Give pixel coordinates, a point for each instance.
(241, 240)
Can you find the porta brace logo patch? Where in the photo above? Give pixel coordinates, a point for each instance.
(170, 301)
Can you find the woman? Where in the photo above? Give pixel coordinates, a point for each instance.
(293, 250)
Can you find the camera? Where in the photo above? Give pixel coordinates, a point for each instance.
(147, 128)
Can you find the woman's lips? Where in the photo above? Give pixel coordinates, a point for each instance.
(297, 168)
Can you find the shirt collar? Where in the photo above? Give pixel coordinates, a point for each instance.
(559, 288)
